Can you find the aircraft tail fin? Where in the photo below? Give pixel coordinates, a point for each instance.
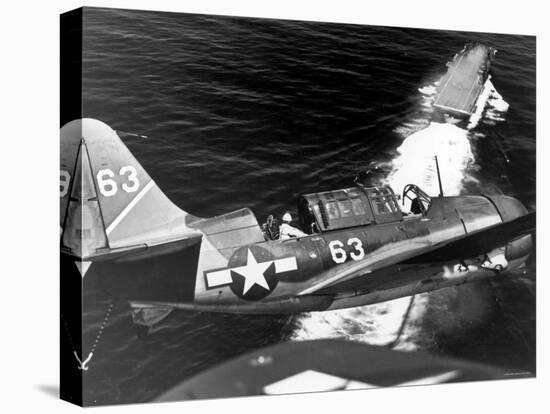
(108, 201)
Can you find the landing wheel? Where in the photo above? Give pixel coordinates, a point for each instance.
(463, 267)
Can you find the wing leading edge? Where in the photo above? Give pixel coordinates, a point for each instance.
(459, 248)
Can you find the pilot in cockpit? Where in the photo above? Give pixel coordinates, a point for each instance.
(286, 231)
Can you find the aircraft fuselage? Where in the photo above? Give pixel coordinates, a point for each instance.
(121, 231)
(279, 276)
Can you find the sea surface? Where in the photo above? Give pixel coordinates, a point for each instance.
(254, 112)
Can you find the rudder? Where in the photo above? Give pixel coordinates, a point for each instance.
(108, 201)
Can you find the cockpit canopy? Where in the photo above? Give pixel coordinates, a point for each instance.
(349, 207)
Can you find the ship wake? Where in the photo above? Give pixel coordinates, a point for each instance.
(398, 323)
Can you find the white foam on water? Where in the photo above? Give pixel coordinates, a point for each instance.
(496, 101)
(496, 105)
(428, 90)
(490, 106)
(415, 163)
(374, 324)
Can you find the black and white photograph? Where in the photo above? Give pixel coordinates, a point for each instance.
(273, 207)
(255, 206)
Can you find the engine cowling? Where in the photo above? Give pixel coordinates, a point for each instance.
(510, 208)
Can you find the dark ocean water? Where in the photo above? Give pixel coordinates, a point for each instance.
(254, 112)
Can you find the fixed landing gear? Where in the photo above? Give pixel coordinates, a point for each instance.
(463, 267)
(497, 263)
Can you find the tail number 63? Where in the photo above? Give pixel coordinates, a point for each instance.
(339, 255)
(108, 187)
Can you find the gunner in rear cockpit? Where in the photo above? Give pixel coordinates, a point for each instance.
(286, 231)
(417, 207)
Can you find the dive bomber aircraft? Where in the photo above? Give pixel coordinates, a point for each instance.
(359, 248)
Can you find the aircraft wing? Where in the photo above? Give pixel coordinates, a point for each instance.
(325, 365)
(459, 248)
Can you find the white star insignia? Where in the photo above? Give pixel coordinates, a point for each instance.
(253, 272)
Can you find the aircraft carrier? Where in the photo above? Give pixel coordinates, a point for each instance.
(459, 89)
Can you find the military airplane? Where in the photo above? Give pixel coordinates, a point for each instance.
(360, 248)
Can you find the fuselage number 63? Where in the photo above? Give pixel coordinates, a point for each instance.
(339, 255)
